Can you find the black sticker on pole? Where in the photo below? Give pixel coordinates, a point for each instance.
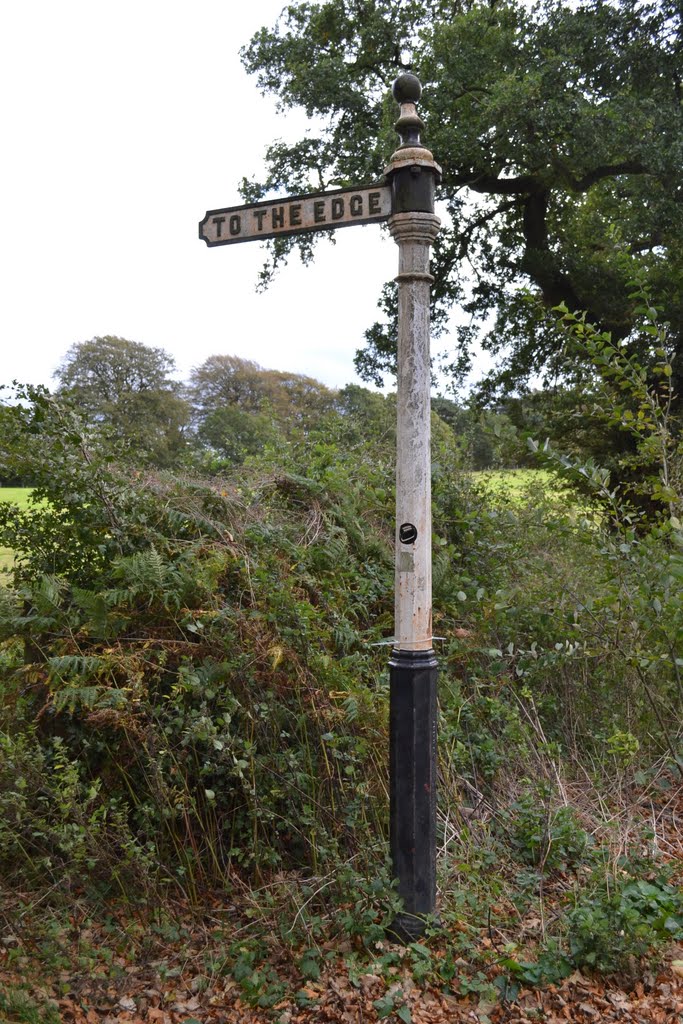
(407, 533)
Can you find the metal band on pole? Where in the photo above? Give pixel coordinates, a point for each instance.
(413, 174)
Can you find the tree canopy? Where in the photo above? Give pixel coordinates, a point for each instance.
(125, 387)
(559, 128)
(239, 406)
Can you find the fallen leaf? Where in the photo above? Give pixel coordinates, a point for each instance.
(484, 1008)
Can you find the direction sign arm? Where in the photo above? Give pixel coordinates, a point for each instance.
(316, 211)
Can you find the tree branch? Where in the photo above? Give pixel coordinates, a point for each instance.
(607, 171)
(493, 185)
(479, 222)
(538, 261)
(530, 183)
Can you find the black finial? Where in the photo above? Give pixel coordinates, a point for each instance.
(407, 90)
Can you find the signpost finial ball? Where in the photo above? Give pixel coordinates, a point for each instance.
(407, 88)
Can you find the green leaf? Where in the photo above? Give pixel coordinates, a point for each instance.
(384, 1006)
(309, 966)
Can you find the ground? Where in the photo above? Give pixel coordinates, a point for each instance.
(144, 994)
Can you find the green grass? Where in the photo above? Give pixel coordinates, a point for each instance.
(523, 487)
(515, 482)
(20, 496)
(19, 1007)
(517, 487)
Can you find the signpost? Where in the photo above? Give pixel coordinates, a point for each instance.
(406, 201)
(314, 212)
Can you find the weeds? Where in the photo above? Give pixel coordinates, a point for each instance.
(196, 705)
(20, 1007)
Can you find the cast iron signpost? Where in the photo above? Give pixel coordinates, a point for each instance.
(406, 201)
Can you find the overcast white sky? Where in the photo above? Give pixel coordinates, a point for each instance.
(122, 122)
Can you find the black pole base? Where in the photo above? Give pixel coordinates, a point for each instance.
(412, 782)
(406, 928)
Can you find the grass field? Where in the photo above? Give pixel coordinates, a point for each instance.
(514, 482)
(518, 485)
(20, 496)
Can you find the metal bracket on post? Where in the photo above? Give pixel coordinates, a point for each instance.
(413, 174)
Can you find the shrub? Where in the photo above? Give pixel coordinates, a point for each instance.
(623, 920)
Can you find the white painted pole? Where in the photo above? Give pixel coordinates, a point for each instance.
(414, 233)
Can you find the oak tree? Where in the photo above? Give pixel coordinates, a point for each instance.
(239, 406)
(560, 130)
(125, 387)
